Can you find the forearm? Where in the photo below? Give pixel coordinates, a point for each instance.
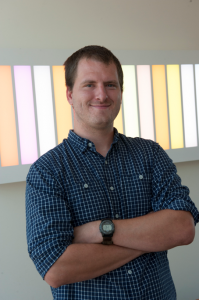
(159, 231)
(82, 262)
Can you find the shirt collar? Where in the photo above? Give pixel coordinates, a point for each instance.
(82, 144)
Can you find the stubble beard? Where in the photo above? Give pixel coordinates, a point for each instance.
(90, 121)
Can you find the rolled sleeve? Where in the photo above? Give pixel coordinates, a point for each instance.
(167, 190)
(48, 219)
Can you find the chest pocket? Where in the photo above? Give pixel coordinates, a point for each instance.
(87, 201)
(137, 193)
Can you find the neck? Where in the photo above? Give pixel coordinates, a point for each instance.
(101, 137)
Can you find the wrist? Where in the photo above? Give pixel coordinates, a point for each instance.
(107, 229)
(97, 234)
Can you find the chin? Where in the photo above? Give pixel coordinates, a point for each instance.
(102, 125)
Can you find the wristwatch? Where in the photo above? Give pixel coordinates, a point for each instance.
(107, 229)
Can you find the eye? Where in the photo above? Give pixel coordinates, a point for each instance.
(111, 85)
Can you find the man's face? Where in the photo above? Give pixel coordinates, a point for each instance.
(96, 95)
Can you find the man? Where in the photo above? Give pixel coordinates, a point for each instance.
(102, 208)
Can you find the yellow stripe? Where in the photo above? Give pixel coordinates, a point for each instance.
(118, 122)
(62, 107)
(160, 106)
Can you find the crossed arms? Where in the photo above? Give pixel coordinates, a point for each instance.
(87, 258)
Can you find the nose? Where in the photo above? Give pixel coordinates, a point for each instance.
(101, 93)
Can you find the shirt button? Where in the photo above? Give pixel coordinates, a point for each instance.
(106, 162)
(111, 188)
(86, 186)
(141, 176)
(90, 145)
(117, 216)
(129, 272)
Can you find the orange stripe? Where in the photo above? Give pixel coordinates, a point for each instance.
(8, 137)
(62, 107)
(160, 105)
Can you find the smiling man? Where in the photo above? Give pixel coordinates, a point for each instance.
(102, 208)
(96, 97)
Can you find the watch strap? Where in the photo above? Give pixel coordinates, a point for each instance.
(107, 240)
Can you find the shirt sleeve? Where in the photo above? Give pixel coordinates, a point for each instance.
(48, 219)
(167, 190)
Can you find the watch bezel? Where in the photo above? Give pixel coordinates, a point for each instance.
(110, 232)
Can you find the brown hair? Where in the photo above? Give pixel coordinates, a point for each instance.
(93, 52)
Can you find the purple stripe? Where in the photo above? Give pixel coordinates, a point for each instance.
(26, 114)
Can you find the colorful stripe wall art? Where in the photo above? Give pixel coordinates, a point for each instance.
(26, 114)
(175, 106)
(44, 105)
(160, 102)
(189, 108)
(160, 106)
(8, 134)
(145, 102)
(131, 119)
(62, 107)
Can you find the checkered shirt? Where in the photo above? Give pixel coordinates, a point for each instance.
(73, 184)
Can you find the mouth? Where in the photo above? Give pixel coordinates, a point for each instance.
(100, 106)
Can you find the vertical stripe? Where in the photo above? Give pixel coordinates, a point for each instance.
(8, 136)
(160, 106)
(130, 102)
(44, 105)
(189, 109)
(175, 107)
(145, 102)
(197, 91)
(62, 107)
(118, 122)
(26, 114)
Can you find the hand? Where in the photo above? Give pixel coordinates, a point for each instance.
(88, 233)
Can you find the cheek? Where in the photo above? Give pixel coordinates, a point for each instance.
(87, 94)
(118, 101)
(80, 101)
(115, 96)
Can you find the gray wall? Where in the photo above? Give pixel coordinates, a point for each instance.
(118, 25)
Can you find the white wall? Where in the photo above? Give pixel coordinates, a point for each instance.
(71, 24)
(117, 24)
(19, 279)
(184, 262)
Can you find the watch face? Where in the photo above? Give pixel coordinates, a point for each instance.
(107, 227)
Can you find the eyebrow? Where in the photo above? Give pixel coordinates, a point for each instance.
(88, 81)
(106, 82)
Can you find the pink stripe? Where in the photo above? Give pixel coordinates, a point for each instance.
(26, 114)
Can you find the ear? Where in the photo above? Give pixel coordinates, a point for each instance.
(69, 96)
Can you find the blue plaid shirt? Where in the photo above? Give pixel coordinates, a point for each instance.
(73, 184)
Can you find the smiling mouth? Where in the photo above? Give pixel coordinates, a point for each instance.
(100, 106)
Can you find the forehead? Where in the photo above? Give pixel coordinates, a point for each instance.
(93, 68)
